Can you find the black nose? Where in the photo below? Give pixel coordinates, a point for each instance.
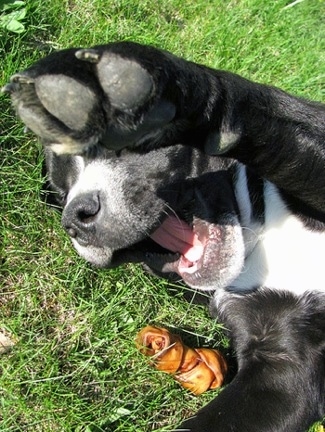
(80, 216)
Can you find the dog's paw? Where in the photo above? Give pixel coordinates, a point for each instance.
(57, 108)
(77, 98)
(118, 95)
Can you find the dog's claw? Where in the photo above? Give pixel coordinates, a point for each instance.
(89, 55)
(8, 88)
(16, 80)
(21, 78)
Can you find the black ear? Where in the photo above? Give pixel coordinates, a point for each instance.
(125, 82)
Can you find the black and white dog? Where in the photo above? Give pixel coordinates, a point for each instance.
(133, 137)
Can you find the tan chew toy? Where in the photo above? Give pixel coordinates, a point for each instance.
(196, 369)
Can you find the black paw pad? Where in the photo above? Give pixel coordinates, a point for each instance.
(126, 83)
(66, 99)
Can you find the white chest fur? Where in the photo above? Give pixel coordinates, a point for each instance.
(287, 255)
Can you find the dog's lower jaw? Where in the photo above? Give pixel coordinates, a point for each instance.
(220, 265)
(97, 256)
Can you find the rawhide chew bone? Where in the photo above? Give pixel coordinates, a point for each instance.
(196, 369)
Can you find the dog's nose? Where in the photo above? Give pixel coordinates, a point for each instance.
(80, 215)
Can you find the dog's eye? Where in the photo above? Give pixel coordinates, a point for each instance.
(88, 152)
(53, 198)
(62, 198)
(59, 198)
(92, 152)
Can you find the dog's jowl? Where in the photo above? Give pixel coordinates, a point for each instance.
(207, 177)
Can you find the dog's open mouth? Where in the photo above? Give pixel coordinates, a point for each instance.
(198, 253)
(177, 236)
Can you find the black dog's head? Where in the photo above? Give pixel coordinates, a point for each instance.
(113, 204)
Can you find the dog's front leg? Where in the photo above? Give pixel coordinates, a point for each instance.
(280, 382)
(168, 100)
(130, 95)
(116, 95)
(248, 406)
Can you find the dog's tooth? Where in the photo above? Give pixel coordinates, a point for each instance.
(89, 55)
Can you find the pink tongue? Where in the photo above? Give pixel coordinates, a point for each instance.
(176, 236)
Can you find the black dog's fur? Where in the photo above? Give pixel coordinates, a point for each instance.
(156, 100)
(279, 342)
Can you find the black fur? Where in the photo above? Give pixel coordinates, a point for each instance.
(280, 344)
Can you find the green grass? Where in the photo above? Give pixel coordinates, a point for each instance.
(74, 366)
